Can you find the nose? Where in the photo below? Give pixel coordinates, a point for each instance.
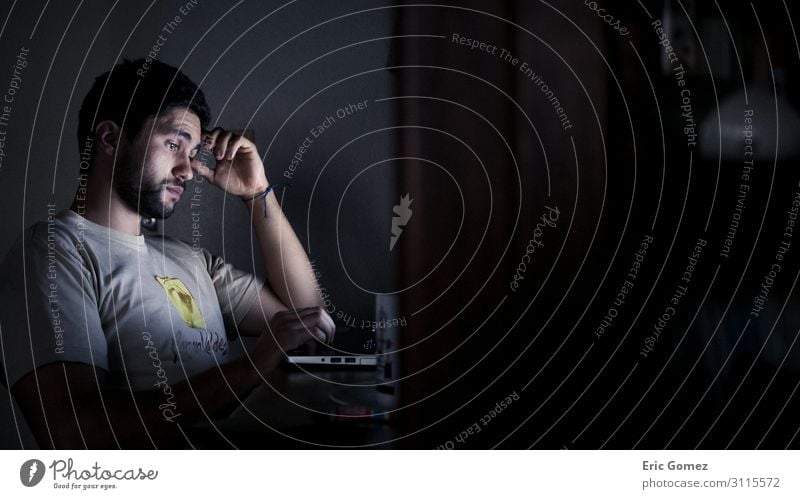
(183, 169)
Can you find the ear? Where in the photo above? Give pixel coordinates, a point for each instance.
(108, 135)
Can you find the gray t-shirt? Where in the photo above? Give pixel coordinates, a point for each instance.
(149, 310)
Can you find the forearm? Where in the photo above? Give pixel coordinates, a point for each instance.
(159, 417)
(288, 270)
(241, 173)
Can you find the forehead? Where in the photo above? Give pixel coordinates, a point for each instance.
(179, 119)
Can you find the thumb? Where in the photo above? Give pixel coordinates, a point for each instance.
(202, 169)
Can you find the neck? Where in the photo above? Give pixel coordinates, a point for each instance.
(98, 202)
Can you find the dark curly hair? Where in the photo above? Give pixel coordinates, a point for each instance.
(142, 88)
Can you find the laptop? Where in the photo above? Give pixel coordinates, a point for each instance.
(351, 347)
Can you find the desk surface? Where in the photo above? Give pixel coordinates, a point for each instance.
(306, 409)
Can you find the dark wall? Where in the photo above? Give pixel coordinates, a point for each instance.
(584, 346)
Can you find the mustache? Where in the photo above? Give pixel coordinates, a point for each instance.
(163, 185)
(166, 183)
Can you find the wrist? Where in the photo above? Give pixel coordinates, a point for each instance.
(256, 193)
(263, 196)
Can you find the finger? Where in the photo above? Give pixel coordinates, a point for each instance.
(311, 329)
(221, 144)
(281, 320)
(330, 321)
(234, 145)
(304, 335)
(323, 320)
(318, 334)
(327, 325)
(307, 319)
(202, 169)
(332, 334)
(282, 313)
(292, 318)
(301, 313)
(286, 316)
(210, 138)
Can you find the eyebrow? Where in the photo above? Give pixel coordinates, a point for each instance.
(182, 133)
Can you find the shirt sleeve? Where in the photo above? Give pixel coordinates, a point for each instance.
(236, 289)
(48, 307)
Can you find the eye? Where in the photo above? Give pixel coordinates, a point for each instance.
(172, 146)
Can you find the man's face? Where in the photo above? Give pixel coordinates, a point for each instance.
(151, 169)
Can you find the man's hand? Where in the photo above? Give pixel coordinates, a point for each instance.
(239, 168)
(292, 328)
(288, 330)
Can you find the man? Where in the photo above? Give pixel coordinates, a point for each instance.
(115, 339)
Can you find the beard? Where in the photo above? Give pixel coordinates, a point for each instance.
(141, 193)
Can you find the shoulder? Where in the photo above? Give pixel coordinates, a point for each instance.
(50, 236)
(43, 250)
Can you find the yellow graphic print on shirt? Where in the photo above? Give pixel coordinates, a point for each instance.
(182, 298)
